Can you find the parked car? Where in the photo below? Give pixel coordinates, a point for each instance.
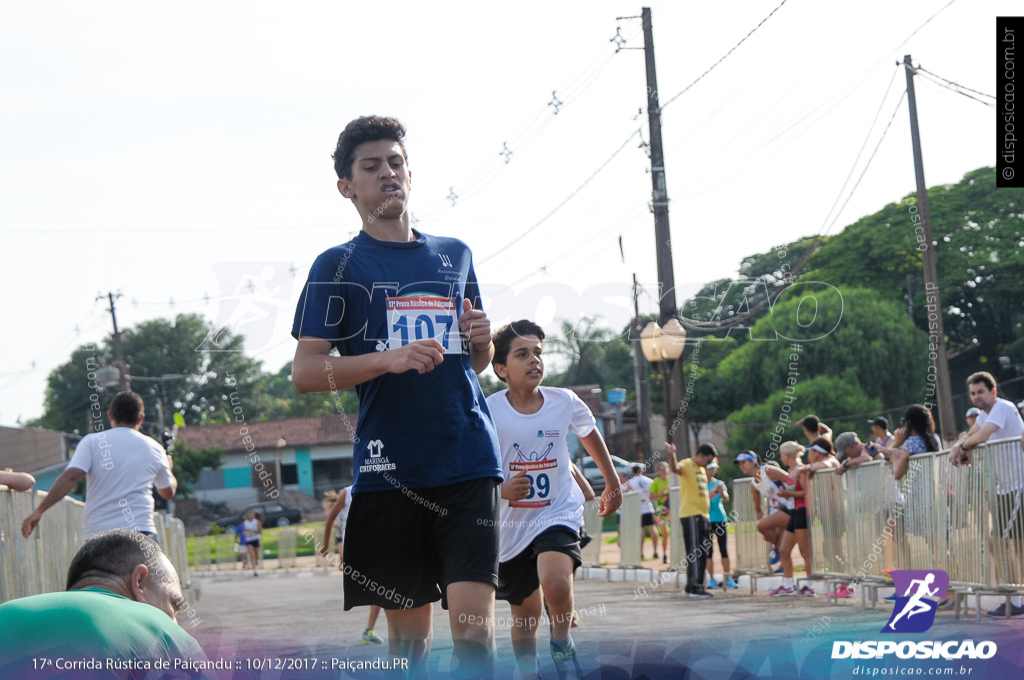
(272, 513)
(593, 473)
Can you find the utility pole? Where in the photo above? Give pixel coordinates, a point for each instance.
(667, 308)
(933, 301)
(643, 394)
(667, 303)
(122, 368)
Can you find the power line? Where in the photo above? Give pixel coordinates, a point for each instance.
(564, 201)
(701, 76)
(990, 105)
(922, 69)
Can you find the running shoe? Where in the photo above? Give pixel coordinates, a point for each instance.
(563, 656)
(1000, 612)
(783, 591)
(729, 583)
(701, 594)
(844, 592)
(946, 603)
(712, 584)
(655, 554)
(806, 591)
(370, 637)
(890, 598)
(664, 559)
(773, 556)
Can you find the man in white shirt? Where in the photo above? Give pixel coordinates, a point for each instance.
(120, 465)
(999, 419)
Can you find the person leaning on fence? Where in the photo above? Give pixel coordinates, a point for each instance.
(1000, 419)
(120, 604)
(694, 507)
(16, 481)
(769, 479)
(120, 465)
(821, 456)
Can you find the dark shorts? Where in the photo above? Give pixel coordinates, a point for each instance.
(647, 519)
(720, 533)
(1008, 517)
(517, 578)
(797, 520)
(254, 542)
(403, 548)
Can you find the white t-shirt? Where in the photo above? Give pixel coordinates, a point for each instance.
(643, 485)
(536, 443)
(769, 488)
(121, 464)
(1008, 464)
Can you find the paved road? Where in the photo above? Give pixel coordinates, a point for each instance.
(630, 630)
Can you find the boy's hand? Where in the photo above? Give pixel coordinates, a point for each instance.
(516, 488)
(419, 355)
(611, 499)
(475, 325)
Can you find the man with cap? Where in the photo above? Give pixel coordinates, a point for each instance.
(851, 451)
(880, 428)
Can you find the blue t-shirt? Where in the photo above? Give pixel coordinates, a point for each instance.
(717, 511)
(371, 296)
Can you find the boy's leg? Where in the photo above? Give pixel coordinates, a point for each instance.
(525, 623)
(555, 572)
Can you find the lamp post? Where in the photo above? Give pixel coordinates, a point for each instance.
(664, 346)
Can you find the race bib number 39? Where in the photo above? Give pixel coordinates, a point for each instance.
(418, 317)
(543, 476)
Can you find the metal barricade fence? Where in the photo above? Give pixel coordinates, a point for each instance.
(39, 564)
(867, 493)
(287, 545)
(1006, 494)
(630, 535)
(224, 551)
(826, 522)
(592, 523)
(751, 548)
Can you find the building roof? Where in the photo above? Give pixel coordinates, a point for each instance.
(267, 434)
(27, 449)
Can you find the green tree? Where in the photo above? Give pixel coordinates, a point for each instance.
(596, 356)
(166, 370)
(189, 464)
(854, 333)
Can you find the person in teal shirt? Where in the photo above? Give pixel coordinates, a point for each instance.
(718, 521)
(116, 615)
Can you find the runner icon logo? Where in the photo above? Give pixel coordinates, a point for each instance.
(915, 610)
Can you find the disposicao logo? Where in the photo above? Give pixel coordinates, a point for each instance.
(915, 610)
(915, 613)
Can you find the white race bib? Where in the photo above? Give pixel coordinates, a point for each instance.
(421, 316)
(543, 476)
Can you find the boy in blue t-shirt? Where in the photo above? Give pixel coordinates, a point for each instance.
(401, 309)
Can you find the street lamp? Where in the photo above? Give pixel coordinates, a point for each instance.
(665, 345)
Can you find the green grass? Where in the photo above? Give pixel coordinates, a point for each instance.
(269, 544)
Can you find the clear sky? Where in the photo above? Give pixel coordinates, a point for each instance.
(181, 151)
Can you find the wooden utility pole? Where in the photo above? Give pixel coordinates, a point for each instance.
(122, 369)
(933, 300)
(643, 395)
(667, 303)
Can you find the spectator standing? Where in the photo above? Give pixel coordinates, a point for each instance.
(880, 431)
(662, 511)
(694, 507)
(814, 428)
(120, 465)
(642, 483)
(719, 527)
(999, 419)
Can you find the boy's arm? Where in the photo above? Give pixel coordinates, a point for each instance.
(581, 481)
(314, 370)
(611, 498)
(339, 503)
(673, 464)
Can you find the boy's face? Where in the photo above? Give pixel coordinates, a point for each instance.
(380, 183)
(524, 366)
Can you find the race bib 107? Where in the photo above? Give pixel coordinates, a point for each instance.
(420, 316)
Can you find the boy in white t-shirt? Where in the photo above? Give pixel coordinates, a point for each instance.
(541, 503)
